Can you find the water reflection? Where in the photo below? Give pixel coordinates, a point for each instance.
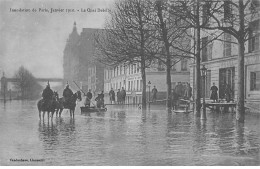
(129, 136)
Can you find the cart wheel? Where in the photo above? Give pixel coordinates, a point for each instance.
(105, 109)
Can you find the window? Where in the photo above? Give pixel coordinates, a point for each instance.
(254, 33)
(137, 86)
(184, 65)
(255, 4)
(129, 85)
(205, 13)
(204, 49)
(255, 81)
(227, 44)
(141, 84)
(227, 10)
(160, 66)
(173, 66)
(132, 69)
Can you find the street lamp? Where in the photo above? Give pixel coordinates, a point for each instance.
(204, 75)
(149, 85)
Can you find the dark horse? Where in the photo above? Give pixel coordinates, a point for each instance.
(70, 104)
(47, 106)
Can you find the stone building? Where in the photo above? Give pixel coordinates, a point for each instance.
(78, 58)
(220, 58)
(129, 77)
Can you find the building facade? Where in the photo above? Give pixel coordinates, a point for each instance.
(221, 60)
(129, 77)
(78, 58)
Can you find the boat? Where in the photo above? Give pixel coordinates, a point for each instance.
(92, 109)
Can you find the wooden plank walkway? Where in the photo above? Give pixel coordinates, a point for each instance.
(221, 106)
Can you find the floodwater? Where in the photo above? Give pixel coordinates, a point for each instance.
(125, 135)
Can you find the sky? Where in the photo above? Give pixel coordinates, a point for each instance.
(36, 40)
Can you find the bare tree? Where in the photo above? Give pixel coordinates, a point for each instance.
(127, 38)
(172, 39)
(26, 84)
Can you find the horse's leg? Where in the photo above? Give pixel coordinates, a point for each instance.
(43, 114)
(40, 114)
(60, 111)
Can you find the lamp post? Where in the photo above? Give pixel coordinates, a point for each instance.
(149, 85)
(204, 75)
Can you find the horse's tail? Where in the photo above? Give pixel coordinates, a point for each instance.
(39, 105)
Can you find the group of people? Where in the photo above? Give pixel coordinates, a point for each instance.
(99, 99)
(121, 95)
(228, 93)
(181, 91)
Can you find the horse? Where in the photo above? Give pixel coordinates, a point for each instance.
(48, 107)
(59, 105)
(69, 104)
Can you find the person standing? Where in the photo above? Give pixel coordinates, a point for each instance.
(188, 91)
(112, 96)
(174, 99)
(154, 94)
(228, 93)
(214, 93)
(118, 94)
(88, 98)
(123, 95)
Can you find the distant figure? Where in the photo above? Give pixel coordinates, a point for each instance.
(187, 91)
(112, 96)
(179, 89)
(214, 93)
(118, 94)
(123, 95)
(88, 98)
(100, 100)
(47, 95)
(174, 99)
(67, 93)
(228, 93)
(154, 94)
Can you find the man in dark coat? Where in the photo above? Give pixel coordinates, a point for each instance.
(112, 95)
(88, 98)
(118, 94)
(123, 95)
(214, 93)
(47, 95)
(67, 93)
(154, 94)
(100, 100)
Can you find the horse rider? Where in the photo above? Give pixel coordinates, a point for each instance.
(88, 98)
(100, 100)
(67, 93)
(47, 95)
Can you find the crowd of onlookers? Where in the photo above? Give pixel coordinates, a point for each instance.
(120, 94)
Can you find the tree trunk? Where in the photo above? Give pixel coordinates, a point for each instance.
(168, 57)
(144, 83)
(198, 96)
(168, 80)
(240, 112)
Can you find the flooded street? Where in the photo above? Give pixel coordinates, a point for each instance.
(125, 135)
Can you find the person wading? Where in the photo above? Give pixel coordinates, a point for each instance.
(112, 96)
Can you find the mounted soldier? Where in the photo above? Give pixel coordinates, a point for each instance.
(67, 94)
(47, 95)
